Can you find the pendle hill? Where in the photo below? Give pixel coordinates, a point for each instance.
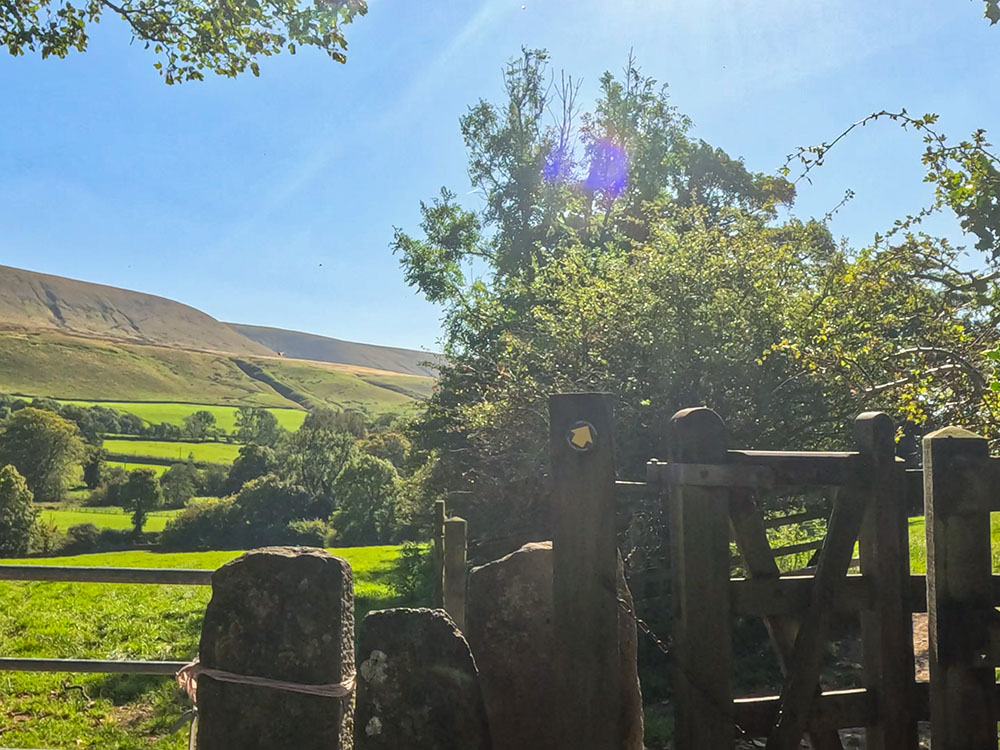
(74, 340)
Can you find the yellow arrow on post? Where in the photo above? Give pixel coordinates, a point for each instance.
(581, 437)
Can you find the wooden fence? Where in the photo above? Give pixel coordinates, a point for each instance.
(711, 493)
(55, 573)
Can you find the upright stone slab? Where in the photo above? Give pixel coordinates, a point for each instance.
(285, 613)
(510, 629)
(417, 685)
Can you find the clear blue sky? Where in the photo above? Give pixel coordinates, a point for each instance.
(272, 200)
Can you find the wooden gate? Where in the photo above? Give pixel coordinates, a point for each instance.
(711, 492)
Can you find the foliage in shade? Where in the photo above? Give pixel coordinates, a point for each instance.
(188, 36)
(17, 513)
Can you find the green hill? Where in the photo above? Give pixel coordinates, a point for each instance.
(309, 346)
(31, 301)
(83, 369)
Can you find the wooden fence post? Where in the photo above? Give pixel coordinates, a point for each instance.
(887, 626)
(959, 601)
(455, 570)
(699, 525)
(437, 595)
(584, 574)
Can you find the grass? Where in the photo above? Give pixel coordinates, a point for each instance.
(105, 518)
(67, 367)
(174, 413)
(346, 387)
(218, 453)
(132, 465)
(170, 381)
(122, 622)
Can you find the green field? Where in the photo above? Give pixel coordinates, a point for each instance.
(174, 413)
(51, 710)
(171, 381)
(218, 453)
(105, 518)
(58, 366)
(133, 465)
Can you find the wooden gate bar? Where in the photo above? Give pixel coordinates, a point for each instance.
(703, 649)
(959, 594)
(886, 624)
(584, 570)
(799, 690)
(751, 538)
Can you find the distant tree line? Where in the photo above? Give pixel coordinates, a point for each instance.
(342, 478)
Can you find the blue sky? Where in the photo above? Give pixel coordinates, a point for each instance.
(272, 200)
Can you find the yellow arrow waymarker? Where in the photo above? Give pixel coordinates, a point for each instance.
(581, 437)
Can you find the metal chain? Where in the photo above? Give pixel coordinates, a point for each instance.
(665, 649)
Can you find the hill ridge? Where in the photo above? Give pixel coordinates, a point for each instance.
(35, 301)
(317, 348)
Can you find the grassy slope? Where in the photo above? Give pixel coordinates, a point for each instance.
(106, 518)
(75, 368)
(345, 386)
(72, 368)
(121, 622)
(174, 413)
(219, 453)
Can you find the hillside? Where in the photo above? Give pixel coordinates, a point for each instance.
(70, 367)
(33, 301)
(298, 345)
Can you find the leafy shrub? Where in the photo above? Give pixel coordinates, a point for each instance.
(116, 539)
(307, 533)
(46, 538)
(204, 526)
(413, 573)
(81, 538)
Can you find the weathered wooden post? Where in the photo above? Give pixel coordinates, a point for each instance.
(959, 601)
(285, 614)
(437, 593)
(886, 626)
(703, 649)
(584, 573)
(455, 570)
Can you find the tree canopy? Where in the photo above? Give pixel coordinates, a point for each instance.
(614, 251)
(45, 448)
(189, 37)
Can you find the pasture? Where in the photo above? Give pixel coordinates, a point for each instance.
(114, 621)
(217, 453)
(175, 413)
(133, 465)
(105, 518)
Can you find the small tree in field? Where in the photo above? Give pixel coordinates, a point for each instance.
(367, 493)
(141, 494)
(17, 513)
(199, 425)
(255, 424)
